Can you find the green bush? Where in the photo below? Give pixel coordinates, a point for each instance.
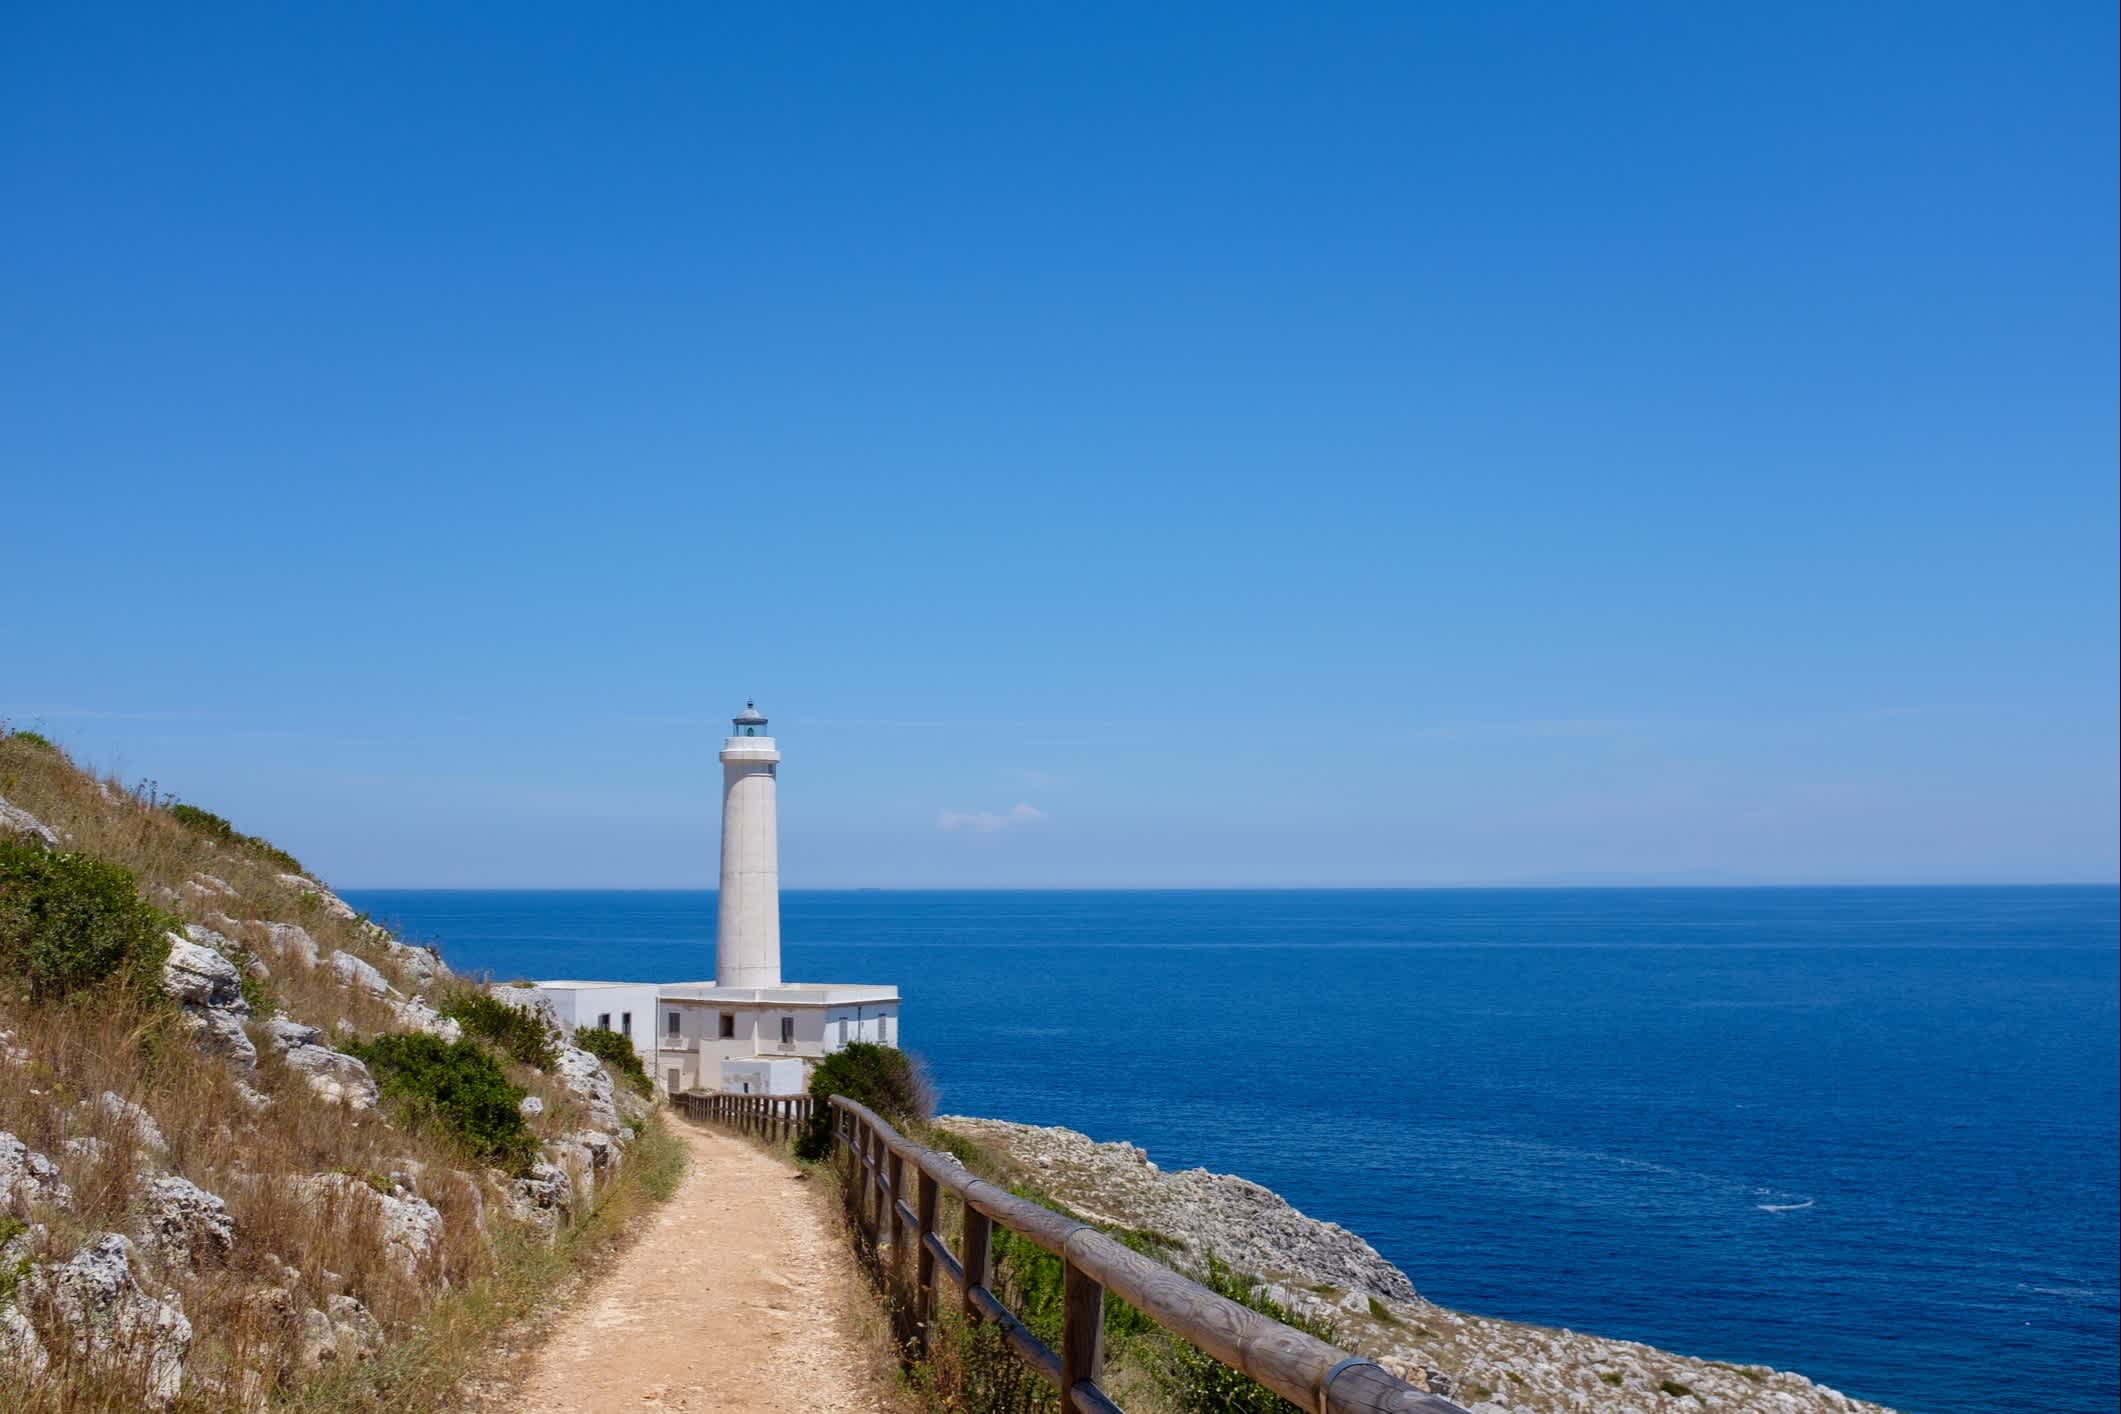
(615, 1051)
(521, 1032)
(70, 921)
(1200, 1384)
(456, 1087)
(32, 738)
(213, 826)
(884, 1078)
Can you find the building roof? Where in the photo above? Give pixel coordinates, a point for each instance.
(788, 994)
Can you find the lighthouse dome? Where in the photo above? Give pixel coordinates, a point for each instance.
(749, 722)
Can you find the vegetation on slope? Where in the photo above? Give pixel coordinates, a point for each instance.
(617, 1052)
(215, 827)
(455, 1088)
(69, 921)
(522, 1033)
(101, 1074)
(884, 1078)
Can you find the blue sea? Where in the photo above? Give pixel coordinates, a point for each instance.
(1866, 1134)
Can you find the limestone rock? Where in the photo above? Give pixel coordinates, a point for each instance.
(111, 1321)
(584, 1075)
(343, 1329)
(14, 819)
(293, 940)
(27, 1176)
(1252, 1228)
(336, 1076)
(10, 1053)
(194, 974)
(23, 1244)
(531, 1106)
(331, 902)
(353, 972)
(541, 1197)
(185, 1224)
(21, 1353)
(423, 965)
(209, 991)
(409, 1226)
(418, 1014)
(127, 1115)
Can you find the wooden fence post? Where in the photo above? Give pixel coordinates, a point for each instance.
(973, 1255)
(896, 1167)
(1082, 1352)
(924, 1263)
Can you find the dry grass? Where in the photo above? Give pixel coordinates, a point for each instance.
(286, 1242)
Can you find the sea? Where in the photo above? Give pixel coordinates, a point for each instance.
(1868, 1134)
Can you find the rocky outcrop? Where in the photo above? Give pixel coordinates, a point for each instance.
(27, 1176)
(15, 820)
(209, 991)
(292, 940)
(418, 1014)
(423, 965)
(121, 1113)
(21, 1353)
(111, 1320)
(1327, 1273)
(338, 1077)
(585, 1077)
(1252, 1228)
(541, 1197)
(342, 1330)
(185, 1224)
(409, 1226)
(354, 972)
(331, 903)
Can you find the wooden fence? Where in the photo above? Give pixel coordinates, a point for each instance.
(881, 1162)
(775, 1118)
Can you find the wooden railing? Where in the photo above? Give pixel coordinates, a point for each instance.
(775, 1118)
(1298, 1367)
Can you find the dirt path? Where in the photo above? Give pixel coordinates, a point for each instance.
(737, 1298)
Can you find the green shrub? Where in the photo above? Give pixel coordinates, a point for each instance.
(213, 826)
(521, 1032)
(1199, 1384)
(69, 921)
(31, 738)
(455, 1087)
(615, 1051)
(1674, 1388)
(884, 1078)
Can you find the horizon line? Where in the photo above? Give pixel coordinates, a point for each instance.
(1231, 888)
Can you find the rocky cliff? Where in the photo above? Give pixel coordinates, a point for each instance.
(1328, 1273)
(208, 1198)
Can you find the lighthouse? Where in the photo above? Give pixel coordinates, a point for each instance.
(747, 933)
(746, 1032)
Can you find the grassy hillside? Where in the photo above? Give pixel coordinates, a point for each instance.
(325, 1227)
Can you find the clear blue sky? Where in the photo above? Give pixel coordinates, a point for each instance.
(1117, 444)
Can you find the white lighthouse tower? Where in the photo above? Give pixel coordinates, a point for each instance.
(747, 933)
(746, 1032)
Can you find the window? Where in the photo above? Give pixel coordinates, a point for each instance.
(603, 1021)
(883, 1029)
(670, 1024)
(728, 1027)
(626, 1024)
(676, 1081)
(843, 1030)
(787, 1030)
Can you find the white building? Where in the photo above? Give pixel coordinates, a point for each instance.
(747, 1031)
